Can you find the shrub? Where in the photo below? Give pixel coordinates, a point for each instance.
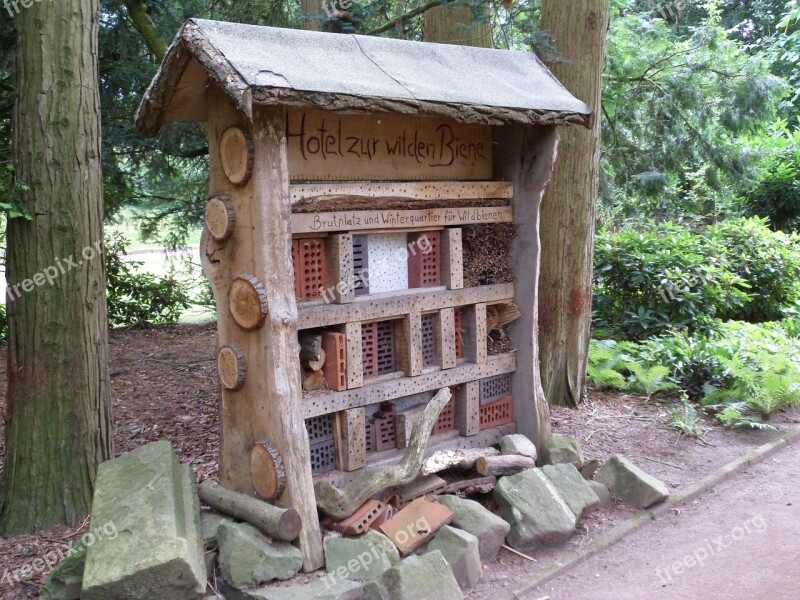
(665, 277)
(776, 194)
(767, 261)
(136, 298)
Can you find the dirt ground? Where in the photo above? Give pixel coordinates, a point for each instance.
(165, 387)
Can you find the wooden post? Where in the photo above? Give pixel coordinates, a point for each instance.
(468, 407)
(475, 334)
(355, 367)
(349, 428)
(446, 337)
(408, 335)
(268, 407)
(524, 156)
(452, 258)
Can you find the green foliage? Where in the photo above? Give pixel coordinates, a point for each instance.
(605, 361)
(650, 380)
(3, 322)
(664, 277)
(135, 298)
(686, 419)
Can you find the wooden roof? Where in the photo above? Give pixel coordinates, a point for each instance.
(351, 73)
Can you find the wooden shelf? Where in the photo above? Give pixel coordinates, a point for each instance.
(367, 308)
(320, 403)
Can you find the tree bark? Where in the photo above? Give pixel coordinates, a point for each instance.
(137, 11)
(456, 24)
(579, 30)
(58, 424)
(313, 19)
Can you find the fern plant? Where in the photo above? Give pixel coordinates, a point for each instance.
(648, 381)
(603, 369)
(686, 419)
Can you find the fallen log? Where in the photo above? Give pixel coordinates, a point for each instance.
(497, 466)
(340, 503)
(469, 487)
(455, 459)
(278, 523)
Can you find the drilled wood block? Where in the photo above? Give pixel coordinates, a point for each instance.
(351, 444)
(339, 262)
(355, 368)
(495, 388)
(422, 487)
(408, 334)
(335, 368)
(416, 524)
(424, 259)
(361, 520)
(446, 338)
(499, 412)
(468, 408)
(311, 272)
(452, 259)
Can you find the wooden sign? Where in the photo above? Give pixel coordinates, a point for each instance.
(377, 220)
(324, 146)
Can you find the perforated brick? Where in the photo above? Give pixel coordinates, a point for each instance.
(360, 264)
(323, 457)
(424, 268)
(320, 428)
(499, 412)
(459, 333)
(335, 367)
(495, 388)
(377, 348)
(447, 418)
(311, 276)
(429, 340)
(382, 429)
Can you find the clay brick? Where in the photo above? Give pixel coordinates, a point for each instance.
(383, 430)
(416, 524)
(378, 348)
(499, 412)
(429, 358)
(447, 418)
(311, 274)
(361, 520)
(360, 264)
(335, 368)
(323, 456)
(459, 334)
(495, 388)
(424, 269)
(386, 514)
(430, 485)
(320, 429)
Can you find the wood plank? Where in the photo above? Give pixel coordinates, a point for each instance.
(452, 258)
(349, 427)
(374, 309)
(384, 147)
(378, 219)
(339, 249)
(446, 338)
(421, 190)
(261, 246)
(320, 403)
(468, 408)
(408, 344)
(355, 367)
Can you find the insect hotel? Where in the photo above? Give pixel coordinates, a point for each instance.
(371, 239)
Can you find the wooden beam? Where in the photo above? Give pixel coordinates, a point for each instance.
(446, 338)
(452, 258)
(349, 428)
(321, 403)
(475, 334)
(468, 408)
(408, 344)
(413, 190)
(268, 407)
(389, 307)
(525, 156)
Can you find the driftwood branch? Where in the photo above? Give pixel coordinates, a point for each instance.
(340, 503)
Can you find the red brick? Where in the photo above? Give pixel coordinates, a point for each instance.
(424, 269)
(335, 368)
(416, 524)
(499, 412)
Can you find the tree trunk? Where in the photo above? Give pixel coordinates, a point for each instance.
(456, 24)
(137, 11)
(579, 30)
(313, 19)
(58, 424)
